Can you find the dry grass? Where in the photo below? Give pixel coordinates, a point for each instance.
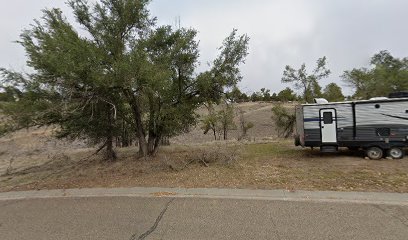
(282, 166)
(34, 160)
(274, 165)
(163, 170)
(33, 147)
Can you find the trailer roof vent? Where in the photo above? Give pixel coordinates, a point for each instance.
(320, 100)
(403, 94)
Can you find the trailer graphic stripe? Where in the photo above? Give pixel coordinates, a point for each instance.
(398, 117)
(318, 119)
(312, 119)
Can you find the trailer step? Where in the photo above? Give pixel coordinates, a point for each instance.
(329, 149)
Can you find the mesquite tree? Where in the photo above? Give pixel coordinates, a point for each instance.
(307, 82)
(118, 73)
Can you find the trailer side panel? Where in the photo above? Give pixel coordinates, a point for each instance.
(312, 119)
(382, 121)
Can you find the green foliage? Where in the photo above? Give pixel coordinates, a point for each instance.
(333, 93)
(283, 96)
(247, 126)
(284, 120)
(224, 71)
(244, 125)
(9, 94)
(8, 97)
(219, 122)
(124, 78)
(286, 95)
(307, 82)
(387, 74)
(266, 94)
(236, 96)
(263, 95)
(256, 97)
(211, 122)
(226, 119)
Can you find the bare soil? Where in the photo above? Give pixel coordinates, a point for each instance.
(33, 159)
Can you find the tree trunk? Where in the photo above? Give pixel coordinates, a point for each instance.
(156, 144)
(140, 132)
(150, 145)
(143, 149)
(110, 153)
(155, 130)
(153, 143)
(124, 136)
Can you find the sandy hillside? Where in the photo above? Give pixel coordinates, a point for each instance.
(259, 113)
(34, 147)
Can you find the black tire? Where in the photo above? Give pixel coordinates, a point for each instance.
(396, 153)
(374, 153)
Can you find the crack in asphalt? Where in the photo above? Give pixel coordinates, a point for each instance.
(391, 215)
(155, 225)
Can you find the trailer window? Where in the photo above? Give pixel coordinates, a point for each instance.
(328, 117)
(383, 132)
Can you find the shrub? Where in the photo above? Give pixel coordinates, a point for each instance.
(284, 121)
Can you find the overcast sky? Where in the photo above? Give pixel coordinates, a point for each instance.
(282, 32)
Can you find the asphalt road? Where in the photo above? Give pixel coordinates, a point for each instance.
(197, 218)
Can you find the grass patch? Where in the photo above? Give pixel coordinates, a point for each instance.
(273, 150)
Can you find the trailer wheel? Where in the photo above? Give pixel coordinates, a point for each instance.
(396, 153)
(374, 153)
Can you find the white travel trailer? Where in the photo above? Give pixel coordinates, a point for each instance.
(379, 126)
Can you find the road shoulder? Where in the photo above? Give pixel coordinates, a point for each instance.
(400, 199)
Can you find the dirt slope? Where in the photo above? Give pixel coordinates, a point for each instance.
(259, 113)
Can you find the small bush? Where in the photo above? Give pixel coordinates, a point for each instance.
(284, 121)
(215, 155)
(205, 156)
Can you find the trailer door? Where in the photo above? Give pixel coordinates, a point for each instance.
(328, 125)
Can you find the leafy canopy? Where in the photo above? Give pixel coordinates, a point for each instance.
(119, 76)
(307, 82)
(387, 74)
(332, 92)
